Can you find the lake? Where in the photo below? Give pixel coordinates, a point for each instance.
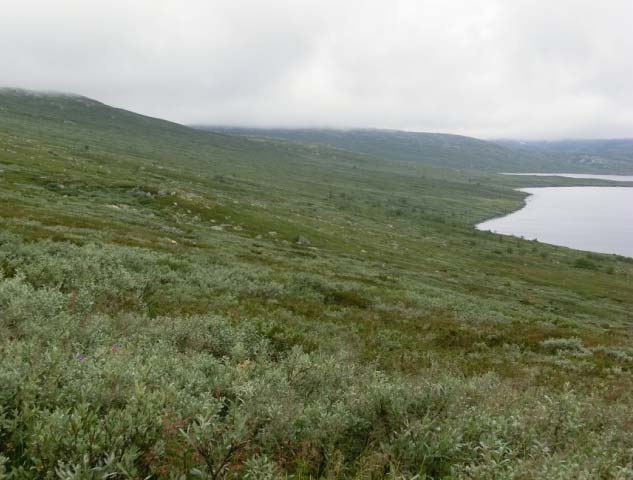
(613, 178)
(597, 219)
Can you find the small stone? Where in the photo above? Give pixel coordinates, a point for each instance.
(172, 230)
(302, 240)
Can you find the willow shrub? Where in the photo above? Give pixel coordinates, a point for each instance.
(94, 386)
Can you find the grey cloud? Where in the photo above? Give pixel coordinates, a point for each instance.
(491, 68)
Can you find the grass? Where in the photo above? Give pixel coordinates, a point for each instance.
(161, 318)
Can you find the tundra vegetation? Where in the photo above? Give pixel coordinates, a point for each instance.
(185, 304)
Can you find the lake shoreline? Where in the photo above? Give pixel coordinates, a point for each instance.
(585, 218)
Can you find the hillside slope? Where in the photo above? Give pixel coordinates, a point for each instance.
(181, 304)
(599, 155)
(433, 149)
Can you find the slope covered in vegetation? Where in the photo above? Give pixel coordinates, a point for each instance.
(181, 304)
(454, 151)
(599, 155)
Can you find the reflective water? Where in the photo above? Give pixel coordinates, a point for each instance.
(598, 219)
(613, 178)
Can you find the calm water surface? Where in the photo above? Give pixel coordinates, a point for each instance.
(598, 219)
(613, 178)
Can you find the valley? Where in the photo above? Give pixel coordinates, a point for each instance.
(180, 303)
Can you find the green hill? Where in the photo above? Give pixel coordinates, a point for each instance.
(598, 155)
(177, 303)
(434, 149)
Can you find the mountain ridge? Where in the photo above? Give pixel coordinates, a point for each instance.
(433, 148)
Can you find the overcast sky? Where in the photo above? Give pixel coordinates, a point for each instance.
(487, 68)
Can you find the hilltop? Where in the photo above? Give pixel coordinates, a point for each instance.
(178, 303)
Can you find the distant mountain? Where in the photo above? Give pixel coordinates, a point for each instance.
(435, 149)
(599, 155)
(74, 117)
